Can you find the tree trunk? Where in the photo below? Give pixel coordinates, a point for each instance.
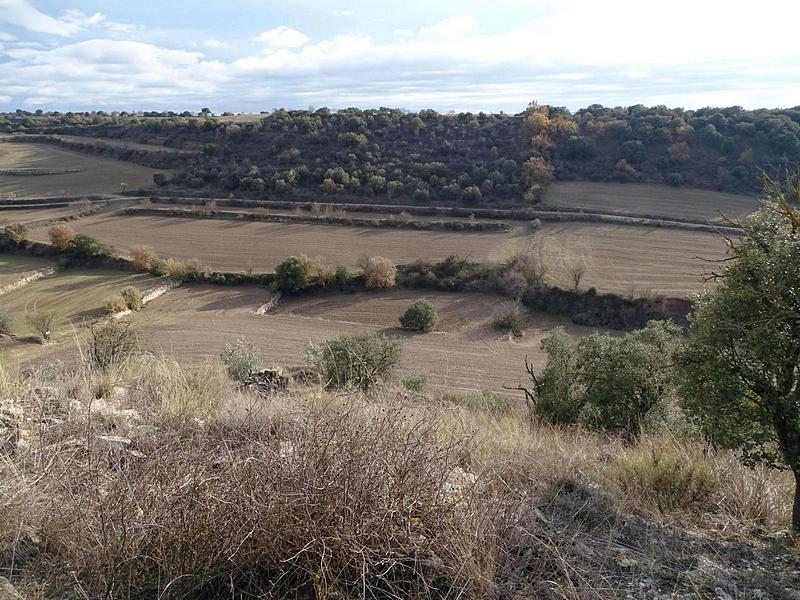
(796, 505)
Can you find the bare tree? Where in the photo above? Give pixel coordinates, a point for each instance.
(42, 323)
(576, 269)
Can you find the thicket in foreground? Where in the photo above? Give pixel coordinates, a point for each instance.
(155, 480)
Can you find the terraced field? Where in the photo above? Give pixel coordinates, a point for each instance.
(13, 267)
(30, 215)
(237, 246)
(649, 200)
(192, 323)
(87, 174)
(72, 296)
(629, 259)
(620, 258)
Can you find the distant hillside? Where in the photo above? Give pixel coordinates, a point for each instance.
(470, 159)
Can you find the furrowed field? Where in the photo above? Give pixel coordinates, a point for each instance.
(620, 259)
(64, 173)
(649, 200)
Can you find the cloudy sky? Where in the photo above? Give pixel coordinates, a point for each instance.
(250, 55)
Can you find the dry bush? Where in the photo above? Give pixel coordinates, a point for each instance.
(379, 272)
(184, 270)
(143, 257)
(7, 322)
(61, 236)
(576, 269)
(523, 272)
(275, 505)
(664, 477)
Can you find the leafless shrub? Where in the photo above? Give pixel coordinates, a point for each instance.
(576, 269)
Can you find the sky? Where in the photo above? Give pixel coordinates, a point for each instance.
(249, 55)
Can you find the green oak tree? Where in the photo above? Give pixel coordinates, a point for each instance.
(740, 370)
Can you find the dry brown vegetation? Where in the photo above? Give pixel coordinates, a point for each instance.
(96, 175)
(158, 480)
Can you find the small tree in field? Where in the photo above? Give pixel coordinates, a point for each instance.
(576, 269)
(355, 360)
(420, 316)
(379, 272)
(42, 323)
(241, 359)
(740, 372)
(111, 343)
(61, 236)
(143, 258)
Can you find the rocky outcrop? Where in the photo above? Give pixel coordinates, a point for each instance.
(267, 382)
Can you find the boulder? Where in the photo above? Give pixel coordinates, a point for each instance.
(267, 382)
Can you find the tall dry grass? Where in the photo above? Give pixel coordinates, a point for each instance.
(155, 480)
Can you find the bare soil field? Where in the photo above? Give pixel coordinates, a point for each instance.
(628, 259)
(122, 144)
(623, 259)
(13, 267)
(96, 175)
(238, 246)
(33, 214)
(632, 199)
(192, 323)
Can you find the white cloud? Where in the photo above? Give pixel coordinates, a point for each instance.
(5, 99)
(214, 44)
(283, 37)
(80, 21)
(577, 53)
(342, 13)
(6, 37)
(452, 26)
(21, 13)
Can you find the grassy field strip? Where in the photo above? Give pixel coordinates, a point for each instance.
(72, 295)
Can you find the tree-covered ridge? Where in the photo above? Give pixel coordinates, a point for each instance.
(459, 158)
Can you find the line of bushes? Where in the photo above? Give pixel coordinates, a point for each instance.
(521, 278)
(544, 213)
(522, 214)
(391, 223)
